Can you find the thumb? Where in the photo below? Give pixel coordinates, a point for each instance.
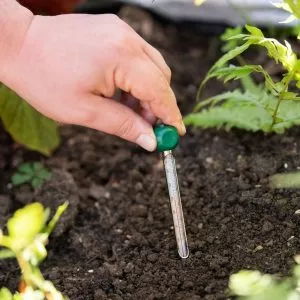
(112, 117)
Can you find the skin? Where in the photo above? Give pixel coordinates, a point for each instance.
(69, 67)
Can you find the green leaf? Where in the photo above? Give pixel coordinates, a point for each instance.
(26, 168)
(34, 173)
(235, 95)
(285, 180)
(221, 62)
(6, 253)
(255, 31)
(248, 283)
(60, 210)
(292, 6)
(27, 126)
(276, 50)
(249, 85)
(37, 182)
(19, 179)
(233, 72)
(44, 175)
(37, 166)
(226, 37)
(25, 224)
(249, 118)
(253, 285)
(5, 294)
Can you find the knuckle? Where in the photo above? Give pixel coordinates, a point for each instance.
(84, 117)
(125, 128)
(121, 42)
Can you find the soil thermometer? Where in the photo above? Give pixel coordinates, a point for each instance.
(167, 140)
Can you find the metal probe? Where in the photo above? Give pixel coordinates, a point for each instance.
(167, 140)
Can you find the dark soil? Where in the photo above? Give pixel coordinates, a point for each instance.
(122, 243)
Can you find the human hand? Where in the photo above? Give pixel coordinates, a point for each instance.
(70, 66)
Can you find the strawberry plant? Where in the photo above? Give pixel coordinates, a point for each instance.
(28, 231)
(34, 174)
(272, 106)
(26, 125)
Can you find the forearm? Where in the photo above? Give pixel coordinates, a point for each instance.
(14, 23)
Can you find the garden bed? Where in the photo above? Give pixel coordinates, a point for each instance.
(122, 244)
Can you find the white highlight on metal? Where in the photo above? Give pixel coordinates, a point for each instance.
(175, 200)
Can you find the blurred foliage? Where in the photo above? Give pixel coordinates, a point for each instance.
(26, 125)
(28, 233)
(34, 174)
(253, 285)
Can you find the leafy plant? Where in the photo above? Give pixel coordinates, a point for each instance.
(33, 173)
(26, 125)
(28, 233)
(269, 107)
(253, 285)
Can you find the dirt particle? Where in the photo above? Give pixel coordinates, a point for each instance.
(97, 192)
(152, 257)
(139, 210)
(267, 227)
(188, 285)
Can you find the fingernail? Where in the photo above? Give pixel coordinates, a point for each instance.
(147, 142)
(182, 128)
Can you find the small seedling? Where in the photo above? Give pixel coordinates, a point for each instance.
(28, 233)
(34, 174)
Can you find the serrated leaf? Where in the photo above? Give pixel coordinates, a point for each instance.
(251, 110)
(276, 50)
(249, 118)
(226, 37)
(223, 61)
(27, 126)
(235, 95)
(249, 85)
(233, 72)
(25, 224)
(255, 31)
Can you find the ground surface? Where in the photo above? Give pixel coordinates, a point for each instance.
(122, 243)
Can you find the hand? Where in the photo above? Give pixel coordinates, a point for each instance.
(70, 66)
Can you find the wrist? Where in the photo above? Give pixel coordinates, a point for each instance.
(15, 21)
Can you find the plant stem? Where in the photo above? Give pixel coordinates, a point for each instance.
(241, 60)
(280, 98)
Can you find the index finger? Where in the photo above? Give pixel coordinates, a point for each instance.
(146, 82)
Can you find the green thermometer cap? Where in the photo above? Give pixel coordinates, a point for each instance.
(166, 136)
